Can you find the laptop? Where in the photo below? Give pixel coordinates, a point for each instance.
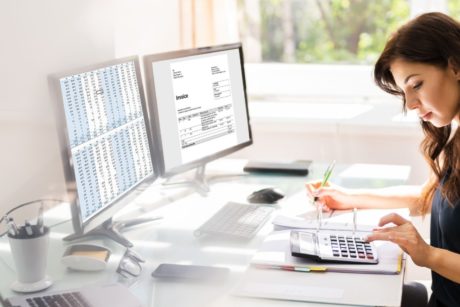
(113, 295)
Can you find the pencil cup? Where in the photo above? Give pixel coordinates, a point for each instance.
(30, 256)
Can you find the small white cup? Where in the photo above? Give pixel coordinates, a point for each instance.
(30, 257)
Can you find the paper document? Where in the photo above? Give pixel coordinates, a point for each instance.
(367, 219)
(286, 222)
(204, 105)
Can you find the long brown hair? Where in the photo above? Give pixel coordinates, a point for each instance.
(434, 39)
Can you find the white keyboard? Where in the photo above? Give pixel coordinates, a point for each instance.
(236, 220)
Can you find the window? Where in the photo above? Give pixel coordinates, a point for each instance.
(454, 8)
(326, 31)
(321, 49)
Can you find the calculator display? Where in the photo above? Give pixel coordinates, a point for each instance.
(307, 243)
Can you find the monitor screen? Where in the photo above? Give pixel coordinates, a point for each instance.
(199, 102)
(105, 137)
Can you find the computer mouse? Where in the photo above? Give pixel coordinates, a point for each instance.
(266, 196)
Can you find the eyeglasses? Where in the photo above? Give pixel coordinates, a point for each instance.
(130, 264)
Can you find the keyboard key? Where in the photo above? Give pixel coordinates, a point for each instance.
(349, 248)
(39, 302)
(31, 302)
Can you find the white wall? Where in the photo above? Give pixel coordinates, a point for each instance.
(146, 26)
(43, 37)
(50, 36)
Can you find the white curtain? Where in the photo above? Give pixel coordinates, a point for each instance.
(208, 22)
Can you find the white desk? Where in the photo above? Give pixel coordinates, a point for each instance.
(171, 240)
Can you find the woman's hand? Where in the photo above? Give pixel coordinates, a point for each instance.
(405, 235)
(331, 196)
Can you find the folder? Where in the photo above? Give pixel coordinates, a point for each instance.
(275, 253)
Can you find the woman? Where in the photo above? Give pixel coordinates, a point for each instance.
(421, 63)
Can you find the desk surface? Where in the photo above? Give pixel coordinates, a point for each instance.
(171, 240)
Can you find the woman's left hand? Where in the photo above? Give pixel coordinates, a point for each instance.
(405, 235)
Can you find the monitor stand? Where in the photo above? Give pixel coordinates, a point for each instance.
(112, 230)
(199, 181)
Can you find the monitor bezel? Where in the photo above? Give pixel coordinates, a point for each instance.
(105, 214)
(153, 106)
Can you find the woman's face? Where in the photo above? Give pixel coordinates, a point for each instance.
(433, 92)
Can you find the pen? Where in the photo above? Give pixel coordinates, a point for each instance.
(40, 219)
(319, 209)
(326, 176)
(12, 228)
(28, 228)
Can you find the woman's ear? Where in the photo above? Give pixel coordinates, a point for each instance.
(455, 67)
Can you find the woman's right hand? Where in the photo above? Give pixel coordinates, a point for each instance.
(332, 197)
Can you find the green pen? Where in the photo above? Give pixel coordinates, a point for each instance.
(319, 209)
(326, 176)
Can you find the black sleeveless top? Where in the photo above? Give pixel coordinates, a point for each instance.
(445, 233)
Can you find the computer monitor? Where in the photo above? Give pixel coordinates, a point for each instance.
(105, 143)
(200, 108)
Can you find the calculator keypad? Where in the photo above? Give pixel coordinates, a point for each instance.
(346, 248)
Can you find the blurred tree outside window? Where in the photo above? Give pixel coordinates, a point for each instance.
(323, 31)
(454, 9)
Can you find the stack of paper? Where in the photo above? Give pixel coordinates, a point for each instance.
(275, 253)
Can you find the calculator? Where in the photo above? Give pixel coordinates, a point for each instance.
(332, 247)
